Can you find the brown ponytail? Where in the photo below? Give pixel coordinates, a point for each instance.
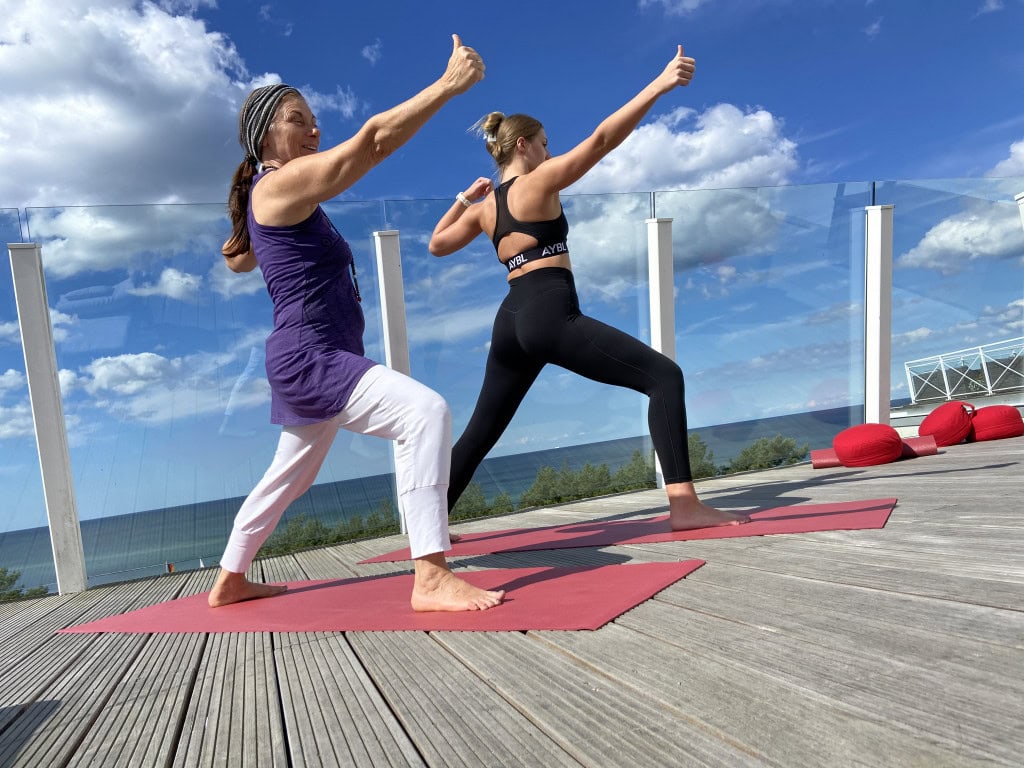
(238, 209)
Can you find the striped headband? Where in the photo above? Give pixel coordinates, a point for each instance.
(255, 116)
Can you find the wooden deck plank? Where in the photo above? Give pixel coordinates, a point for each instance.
(79, 693)
(802, 602)
(958, 715)
(786, 725)
(449, 711)
(334, 713)
(234, 714)
(139, 723)
(595, 719)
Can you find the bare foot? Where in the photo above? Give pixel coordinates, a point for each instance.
(234, 588)
(438, 589)
(697, 514)
(454, 538)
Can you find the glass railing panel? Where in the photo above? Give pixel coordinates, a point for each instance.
(958, 283)
(165, 396)
(451, 302)
(24, 538)
(769, 315)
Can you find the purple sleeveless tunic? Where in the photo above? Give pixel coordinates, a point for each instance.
(315, 352)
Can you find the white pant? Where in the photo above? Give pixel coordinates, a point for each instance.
(384, 403)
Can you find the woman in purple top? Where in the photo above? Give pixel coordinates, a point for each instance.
(319, 378)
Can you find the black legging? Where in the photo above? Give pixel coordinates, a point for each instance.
(539, 322)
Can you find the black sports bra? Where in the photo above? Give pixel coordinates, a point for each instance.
(550, 235)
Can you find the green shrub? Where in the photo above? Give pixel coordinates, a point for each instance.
(9, 592)
(768, 452)
(702, 460)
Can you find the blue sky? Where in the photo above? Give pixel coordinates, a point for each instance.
(766, 160)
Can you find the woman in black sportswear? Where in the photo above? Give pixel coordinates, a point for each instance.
(539, 322)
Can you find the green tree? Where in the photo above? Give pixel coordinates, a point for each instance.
(472, 503)
(768, 452)
(702, 460)
(502, 504)
(382, 520)
(567, 484)
(299, 533)
(10, 592)
(638, 473)
(593, 481)
(543, 491)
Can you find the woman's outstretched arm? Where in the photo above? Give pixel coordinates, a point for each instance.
(563, 170)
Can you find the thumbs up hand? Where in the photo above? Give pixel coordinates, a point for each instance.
(465, 67)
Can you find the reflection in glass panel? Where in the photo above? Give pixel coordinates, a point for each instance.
(451, 303)
(769, 313)
(958, 282)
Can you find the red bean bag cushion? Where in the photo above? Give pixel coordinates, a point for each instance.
(949, 424)
(867, 444)
(994, 422)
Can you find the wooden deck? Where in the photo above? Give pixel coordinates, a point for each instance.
(893, 647)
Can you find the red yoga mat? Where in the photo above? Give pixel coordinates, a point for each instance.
(535, 599)
(801, 518)
(823, 458)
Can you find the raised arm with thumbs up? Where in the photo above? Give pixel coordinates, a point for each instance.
(309, 177)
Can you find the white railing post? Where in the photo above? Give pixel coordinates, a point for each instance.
(392, 309)
(877, 313)
(661, 280)
(392, 300)
(48, 416)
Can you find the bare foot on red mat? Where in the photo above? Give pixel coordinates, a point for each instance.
(436, 588)
(235, 588)
(687, 512)
(454, 538)
(703, 516)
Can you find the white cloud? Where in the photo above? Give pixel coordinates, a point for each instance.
(1012, 165)
(228, 284)
(98, 239)
(61, 325)
(990, 6)
(873, 29)
(130, 374)
(114, 102)
(372, 52)
(908, 338)
(173, 284)
(69, 381)
(989, 232)
(674, 7)
(722, 147)
(450, 326)
(11, 380)
(16, 421)
(1005, 321)
(343, 101)
(708, 227)
(10, 333)
(121, 102)
(149, 388)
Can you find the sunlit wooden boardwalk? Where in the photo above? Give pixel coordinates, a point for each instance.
(901, 646)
